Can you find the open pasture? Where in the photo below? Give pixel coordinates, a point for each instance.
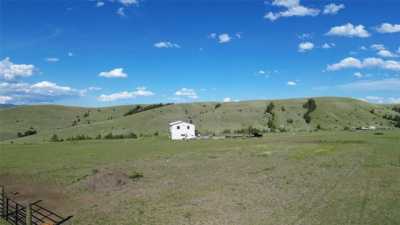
(306, 178)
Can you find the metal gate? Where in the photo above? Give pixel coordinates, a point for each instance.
(31, 214)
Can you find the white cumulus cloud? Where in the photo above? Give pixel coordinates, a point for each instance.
(333, 8)
(291, 83)
(383, 52)
(292, 8)
(139, 92)
(5, 99)
(115, 73)
(262, 72)
(129, 2)
(358, 74)
(349, 30)
(227, 99)
(10, 71)
(354, 63)
(388, 28)
(305, 46)
(224, 38)
(44, 91)
(99, 4)
(387, 54)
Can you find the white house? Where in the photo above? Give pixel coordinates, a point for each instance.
(179, 130)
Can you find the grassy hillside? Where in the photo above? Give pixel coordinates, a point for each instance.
(286, 115)
(51, 118)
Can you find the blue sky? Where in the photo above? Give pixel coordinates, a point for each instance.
(110, 52)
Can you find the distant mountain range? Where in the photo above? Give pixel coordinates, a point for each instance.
(6, 106)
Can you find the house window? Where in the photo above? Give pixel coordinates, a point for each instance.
(188, 127)
(178, 127)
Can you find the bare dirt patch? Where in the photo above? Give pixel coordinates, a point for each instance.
(105, 180)
(26, 190)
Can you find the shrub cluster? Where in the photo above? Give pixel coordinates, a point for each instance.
(311, 106)
(251, 131)
(119, 136)
(86, 114)
(394, 118)
(31, 131)
(55, 138)
(270, 107)
(135, 175)
(79, 137)
(269, 110)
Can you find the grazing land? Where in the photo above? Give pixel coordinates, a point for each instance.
(325, 177)
(211, 118)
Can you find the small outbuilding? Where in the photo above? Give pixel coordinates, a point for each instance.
(180, 130)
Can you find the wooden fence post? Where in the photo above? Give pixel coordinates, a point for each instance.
(16, 213)
(6, 208)
(28, 218)
(3, 201)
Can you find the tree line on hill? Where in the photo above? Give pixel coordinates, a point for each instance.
(109, 136)
(81, 137)
(139, 108)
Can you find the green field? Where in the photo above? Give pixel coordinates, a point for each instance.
(328, 178)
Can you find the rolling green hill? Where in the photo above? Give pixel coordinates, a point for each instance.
(210, 118)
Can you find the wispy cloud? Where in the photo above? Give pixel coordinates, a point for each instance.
(121, 11)
(187, 92)
(166, 44)
(333, 9)
(99, 4)
(52, 59)
(328, 45)
(392, 84)
(139, 92)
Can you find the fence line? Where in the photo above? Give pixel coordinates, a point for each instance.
(30, 214)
